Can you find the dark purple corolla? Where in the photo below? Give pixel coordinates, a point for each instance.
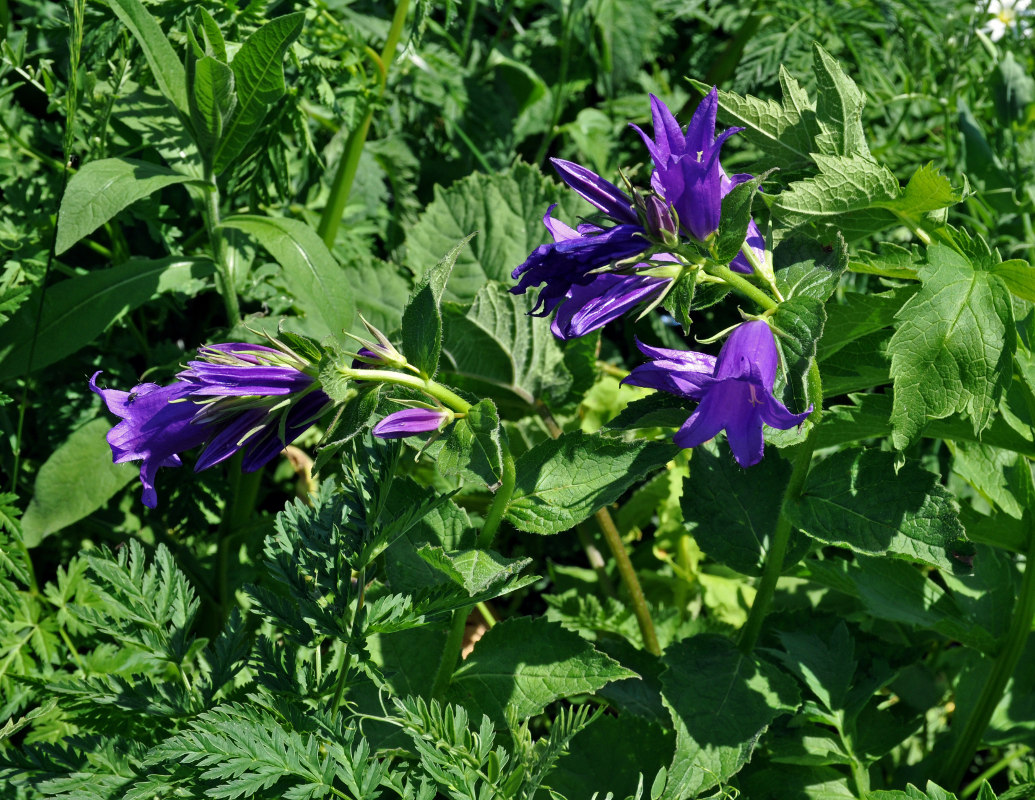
(411, 421)
(235, 397)
(734, 391)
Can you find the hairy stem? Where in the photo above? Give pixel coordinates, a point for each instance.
(782, 532)
(433, 389)
(741, 285)
(224, 273)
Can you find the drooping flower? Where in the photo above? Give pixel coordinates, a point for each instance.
(411, 421)
(235, 397)
(734, 391)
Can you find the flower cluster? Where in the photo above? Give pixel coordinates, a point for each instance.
(582, 271)
(234, 398)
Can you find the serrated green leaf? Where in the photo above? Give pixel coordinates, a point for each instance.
(1019, 277)
(259, 83)
(477, 571)
(953, 348)
(721, 702)
(732, 512)
(826, 667)
(857, 499)
(860, 315)
(679, 299)
(315, 279)
(560, 482)
(800, 321)
(839, 108)
(422, 317)
(495, 349)
(101, 189)
(736, 214)
(805, 267)
(76, 310)
(522, 664)
(474, 445)
(784, 132)
(166, 66)
(506, 210)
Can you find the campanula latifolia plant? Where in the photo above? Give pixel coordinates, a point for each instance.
(588, 399)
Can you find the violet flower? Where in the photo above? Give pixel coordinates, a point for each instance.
(235, 397)
(734, 391)
(411, 421)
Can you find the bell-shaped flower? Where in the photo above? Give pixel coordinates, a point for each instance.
(734, 391)
(411, 421)
(235, 398)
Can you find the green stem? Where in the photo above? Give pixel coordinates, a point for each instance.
(974, 786)
(339, 688)
(1002, 668)
(741, 285)
(341, 186)
(455, 639)
(244, 493)
(224, 273)
(782, 532)
(632, 583)
(617, 547)
(431, 388)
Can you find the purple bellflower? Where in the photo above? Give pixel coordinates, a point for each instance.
(688, 184)
(235, 397)
(734, 391)
(411, 421)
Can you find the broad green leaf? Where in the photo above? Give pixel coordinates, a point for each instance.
(76, 310)
(953, 348)
(899, 592)
(560, 482)
(783, 131)
(212, 103)
(934, 792)
(316, 281)
(635, 748)
(721, 703)
(208, 36)
(259, 83)
(422, 317)
(800, 321)
(523, 664)
(857, 499)
(839, 108)
(1019, 277)
(861, 364)
(805, 267)
(77, 479)
(732, 512)
(166, 65)
(101, 189)
(473, 445)
(495, 349)
(477, 571)
(825, 666)
(860, 315)
(506, 209)
(869, 417)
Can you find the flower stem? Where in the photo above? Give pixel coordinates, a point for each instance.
(1002, 668)
(224, 273)
(341, 187)
(617, 547)
(493, 518)
(433, 389)
(741, 285)
(782, 532)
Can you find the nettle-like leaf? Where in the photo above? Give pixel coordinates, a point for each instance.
(953, 346)
(858, 499)
(522, 664)
(721, 702)
(493, 348)
(560, 482)
(800, 322)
